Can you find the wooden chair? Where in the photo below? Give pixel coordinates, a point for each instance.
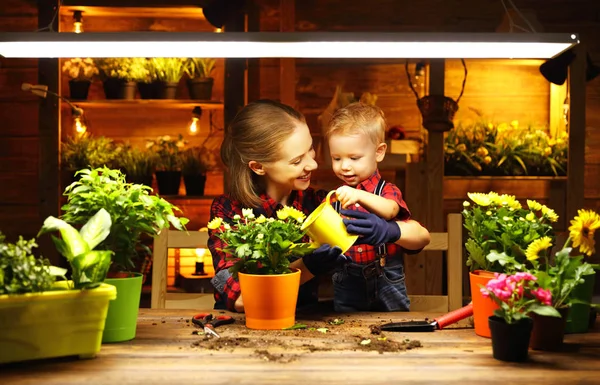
(451, 242)
(160, 298)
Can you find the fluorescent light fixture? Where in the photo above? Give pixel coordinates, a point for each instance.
(286, 45)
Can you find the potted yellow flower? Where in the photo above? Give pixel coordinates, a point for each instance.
(262, 248)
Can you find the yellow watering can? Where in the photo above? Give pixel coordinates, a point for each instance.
(325, 225)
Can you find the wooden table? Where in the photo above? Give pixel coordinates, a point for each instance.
(166, 351)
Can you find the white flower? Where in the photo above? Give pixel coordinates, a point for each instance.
(247, 212)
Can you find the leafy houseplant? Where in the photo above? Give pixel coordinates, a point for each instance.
(168, 72)
(80, 72)
(138, 165)
(120, 75)
(200, 81)
(195, 162)
(168, 167)
(79, 152)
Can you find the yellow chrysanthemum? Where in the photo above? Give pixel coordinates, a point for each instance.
(582, 231)
(288, 211)
(536, 247)
(261, 219)
(549, 213)
(530, 217)
(480, 198)
(534, 205)
(506, 200)
(215, 223)
(283, 214)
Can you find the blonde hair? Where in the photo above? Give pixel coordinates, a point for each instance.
(255, 133)
(356, 118)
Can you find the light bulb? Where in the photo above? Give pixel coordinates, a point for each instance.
(77, 22)
(79, 125)
(194, 126)
(218, 30)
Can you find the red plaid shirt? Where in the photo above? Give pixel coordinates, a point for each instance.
(225, 207)
(364, 254)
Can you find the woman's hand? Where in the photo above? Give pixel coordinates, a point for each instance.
(239, 304)
(372, 229)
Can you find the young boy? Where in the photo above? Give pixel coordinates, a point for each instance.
(374, 280)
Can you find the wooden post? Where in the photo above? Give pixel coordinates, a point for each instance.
(234, 74)
(287, 66)
(435, 183)
(576, 164)
(253, 77)
(49, 133)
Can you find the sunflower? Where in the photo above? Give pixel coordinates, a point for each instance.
(582, 231)
(480, 199)
(536, 247)
(533, 205)
(550, 214)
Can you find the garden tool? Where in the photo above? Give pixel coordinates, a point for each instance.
(208, 322)
(427, 326)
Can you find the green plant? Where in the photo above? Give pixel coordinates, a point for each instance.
(83, 151)
(262, 245)
(167, 151)
(168, 70)
(500, 230)
(134, 212)
(137, 163)
(20, 271)
(197, 160)
(128, 69)
(89, 267)
(199, 67)
(80, 69)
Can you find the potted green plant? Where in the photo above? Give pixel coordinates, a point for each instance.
(200, 82)
(80, 73)
(137, 164)
(168, 72)
(195, 162)
(261, 248)
(43, 318)
(83, 151)
(168, 167)
(135, 214)
(120, 76)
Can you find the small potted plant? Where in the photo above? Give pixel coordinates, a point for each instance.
(81, 73)
(137, 164)
(79, 152)
(195, 162)
(31, 298)
(517, 296)
(168, 72)
(261, 248)
(135, 213)
(200, 82)
(168, 167)
(120, 76)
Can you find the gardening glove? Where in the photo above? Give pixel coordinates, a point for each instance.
(373, 230)
(324, 259)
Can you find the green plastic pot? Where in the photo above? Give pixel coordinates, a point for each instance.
(54, 323)
(579, 317)
(121, 321)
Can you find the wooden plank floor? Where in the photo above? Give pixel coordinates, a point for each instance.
(166, 351)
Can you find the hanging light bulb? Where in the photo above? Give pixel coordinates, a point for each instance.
(77, 22)
(79, 122)
(218, 30)
(194, 125)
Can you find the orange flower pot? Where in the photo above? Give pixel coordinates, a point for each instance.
(270, 300)
(483, 308)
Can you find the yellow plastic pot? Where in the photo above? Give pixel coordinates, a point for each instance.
(325, 225)
(55, 323)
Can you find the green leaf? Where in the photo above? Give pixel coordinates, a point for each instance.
(96, 229)
(296, 326)
(544, 310)
(74, 243)
(90, 267)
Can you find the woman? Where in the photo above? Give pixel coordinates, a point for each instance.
(268, 153)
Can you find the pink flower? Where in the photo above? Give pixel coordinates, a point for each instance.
(543, 295)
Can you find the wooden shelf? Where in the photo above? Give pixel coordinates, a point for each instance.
(147, 8)
(185, 199)
(507, 178)
(146, 103)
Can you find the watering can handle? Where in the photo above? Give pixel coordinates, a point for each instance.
(328, 197)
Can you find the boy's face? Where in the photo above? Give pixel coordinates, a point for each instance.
(354, 157)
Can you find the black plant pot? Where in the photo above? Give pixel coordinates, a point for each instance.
(78, 89)
(194, 184)
(510, 342)
(166, 90)
(141, 179)
(147, 90)
(200, 88)
(119, 89)
(168, 182)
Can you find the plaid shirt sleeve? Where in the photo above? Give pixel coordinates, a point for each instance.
(227, 289)
(392, 192)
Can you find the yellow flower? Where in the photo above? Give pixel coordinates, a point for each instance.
(506, 200)
(515, 124)
(261, 219)
(487, 159)
(547, 151)
(480, 198)
(582, 231)
(282, 214)
(215, 223)
(536, 247)
(533, 205)
(461, 147)
(549, 213)
(288, 211)
(488, 213)
(466, 204)
(482, 151)
(530, 217)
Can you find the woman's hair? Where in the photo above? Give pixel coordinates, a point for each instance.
(255, 133)
(358, 117)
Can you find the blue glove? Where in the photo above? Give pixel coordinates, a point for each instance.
(324, 259)
(373, 230)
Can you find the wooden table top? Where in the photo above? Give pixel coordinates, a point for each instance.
(167, 350)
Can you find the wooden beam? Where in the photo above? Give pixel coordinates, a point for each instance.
(576, 163)
(49, 133)
(253, 77)
(235, 72)
(287, 66)
(135, 3)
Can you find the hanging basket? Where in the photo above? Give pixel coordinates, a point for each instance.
(437, 110)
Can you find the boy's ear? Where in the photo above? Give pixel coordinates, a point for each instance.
(256, 167)
(380, 151)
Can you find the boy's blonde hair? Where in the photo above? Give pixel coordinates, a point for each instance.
(358, 118)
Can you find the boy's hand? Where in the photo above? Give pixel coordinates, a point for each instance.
(373, 229)
(348, 196)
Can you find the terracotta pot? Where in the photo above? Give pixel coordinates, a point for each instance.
(483, 308)
(270, 300)
(548, 332)
(510, 341)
